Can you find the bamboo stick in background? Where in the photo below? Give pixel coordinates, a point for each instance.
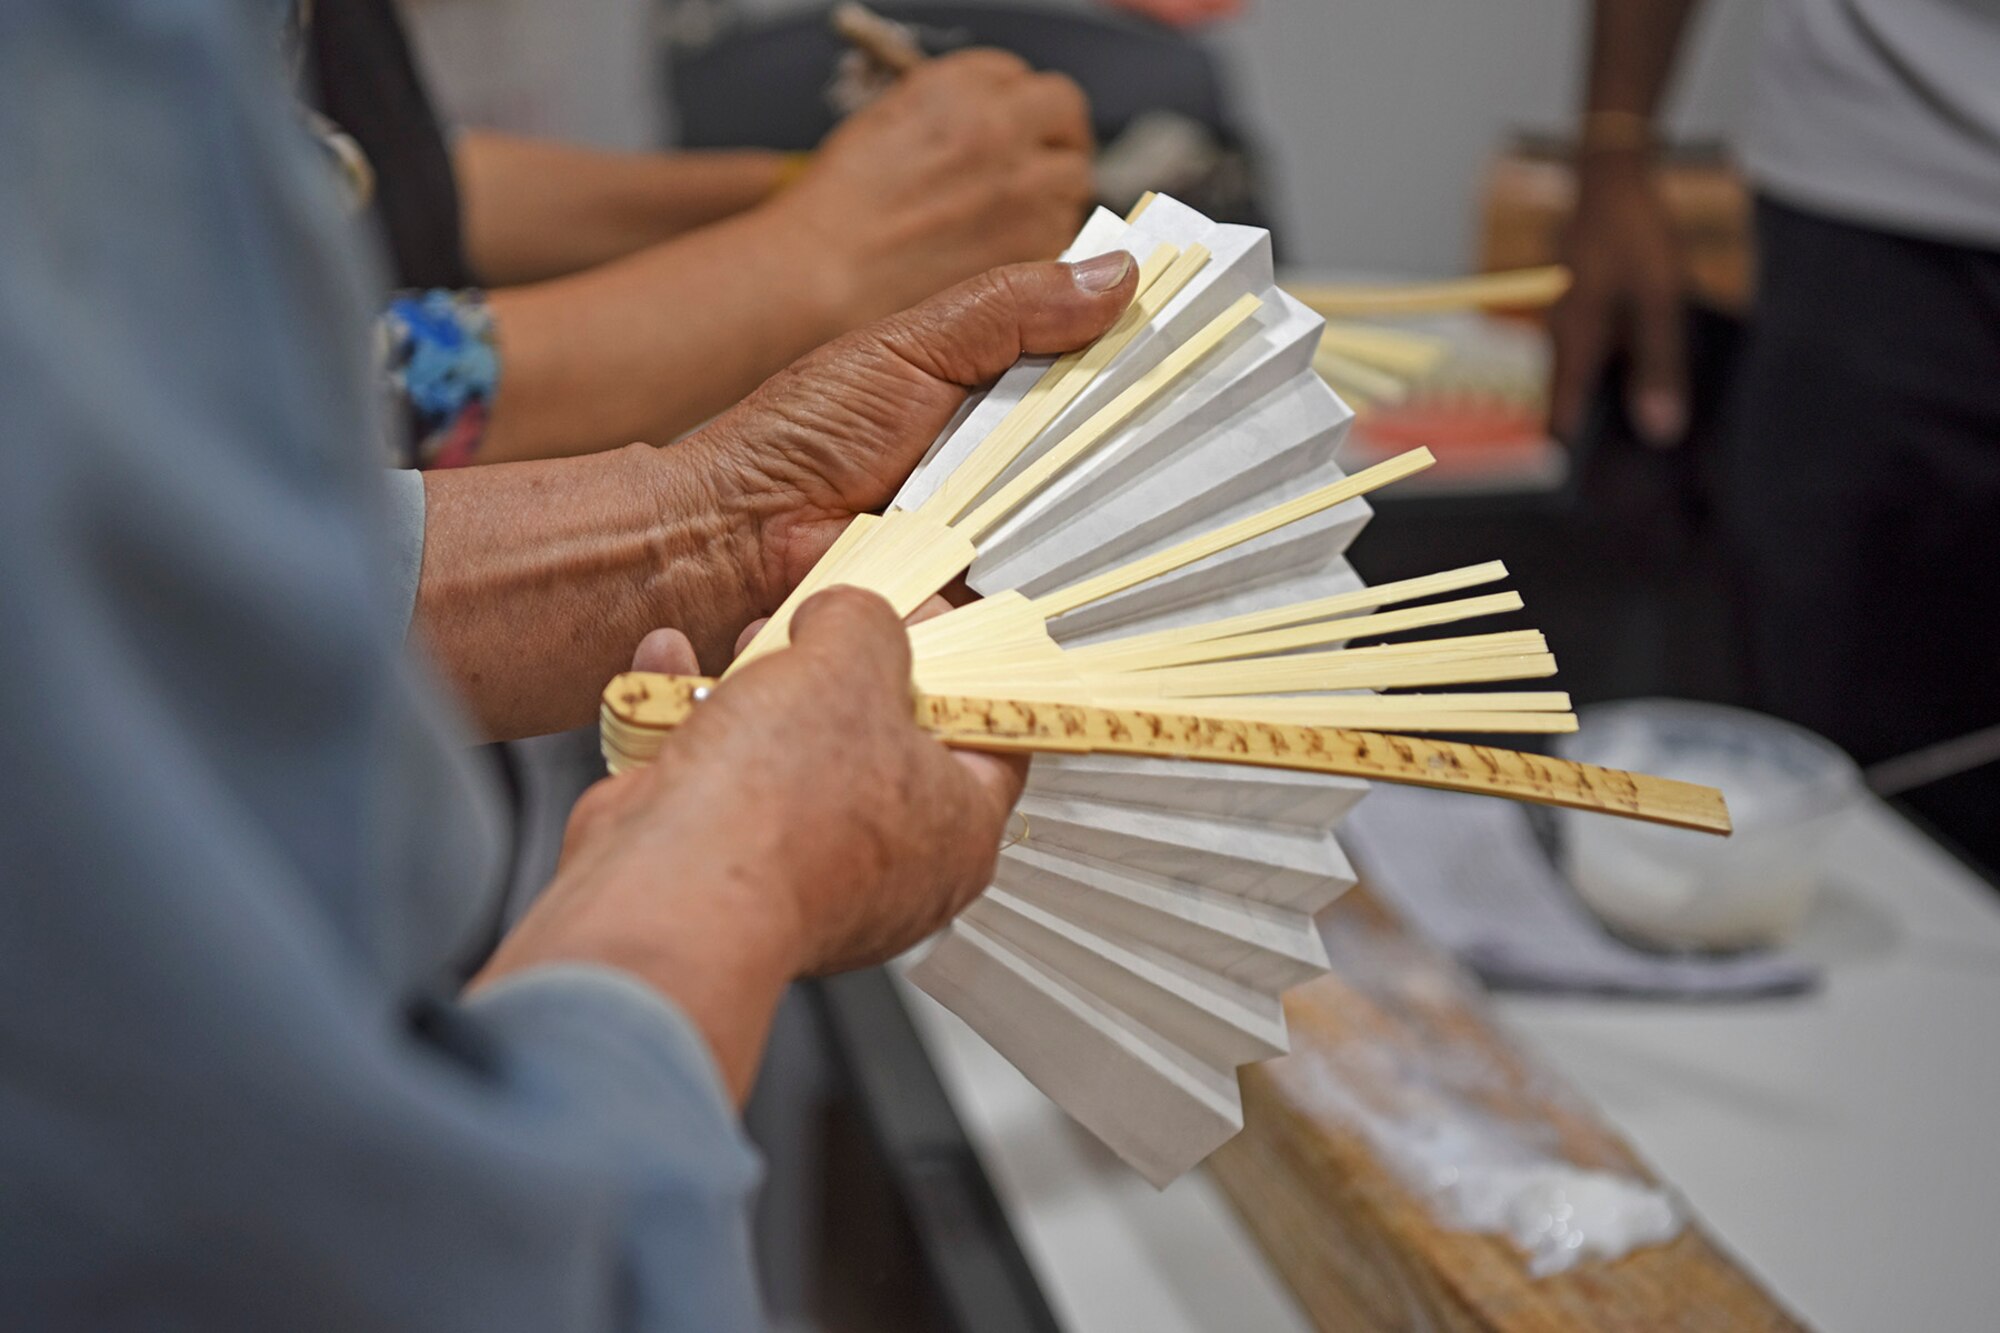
(1522, 288)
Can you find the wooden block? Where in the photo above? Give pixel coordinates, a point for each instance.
(1403, 1030)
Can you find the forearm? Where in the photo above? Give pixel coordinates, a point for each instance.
(678, 876)
(1633, 44)
(539, 578)
(697, 927)
(654, 344)
(537, 209)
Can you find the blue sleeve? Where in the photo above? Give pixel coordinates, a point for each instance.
(244, 853)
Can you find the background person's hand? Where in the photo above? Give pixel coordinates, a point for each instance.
(970, 161)
(835, 434)
(799, 822)
(1628, 294)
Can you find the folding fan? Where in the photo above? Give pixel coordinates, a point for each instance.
(1156, 527)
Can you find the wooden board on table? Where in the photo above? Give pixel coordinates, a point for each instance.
(1360, 1249)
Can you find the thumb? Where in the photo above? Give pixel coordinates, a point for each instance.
(968, 334)
(858, 637)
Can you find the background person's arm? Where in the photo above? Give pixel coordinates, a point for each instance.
(1629, 285)
(538, 208)
(969, 162)
(538, 578)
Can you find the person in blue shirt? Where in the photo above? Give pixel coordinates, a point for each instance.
(246, 860)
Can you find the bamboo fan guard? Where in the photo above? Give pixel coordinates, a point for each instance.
(1156, 526)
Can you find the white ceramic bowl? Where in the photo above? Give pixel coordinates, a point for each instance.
(1677, 889)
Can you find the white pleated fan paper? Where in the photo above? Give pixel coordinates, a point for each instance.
(1134, 947)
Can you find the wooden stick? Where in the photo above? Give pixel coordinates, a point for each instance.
(1460, 710)
(1322, 671)
(1518, 721)
(1517, 289)
(639, 707)
(1223, 538)
(1323, 608)
(1312, 635)
(888, 44)
(1271, 708)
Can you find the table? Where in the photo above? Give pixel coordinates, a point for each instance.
(1838, 1143)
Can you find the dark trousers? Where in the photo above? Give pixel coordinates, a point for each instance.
(1863, 497)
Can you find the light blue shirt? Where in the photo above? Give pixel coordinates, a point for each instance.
(242, 861)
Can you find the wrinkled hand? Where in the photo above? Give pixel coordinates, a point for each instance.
(799, 806)
(836, 433)
(1628, 292)
(970, 161)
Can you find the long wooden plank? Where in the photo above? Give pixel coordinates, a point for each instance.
(638, 702)
(1402, 1030)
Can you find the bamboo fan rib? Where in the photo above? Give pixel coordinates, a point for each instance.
(1157, 527)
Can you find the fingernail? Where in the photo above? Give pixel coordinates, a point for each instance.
(1102, 273)
(1661, 418)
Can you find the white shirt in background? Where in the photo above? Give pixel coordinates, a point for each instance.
(1884, 113)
